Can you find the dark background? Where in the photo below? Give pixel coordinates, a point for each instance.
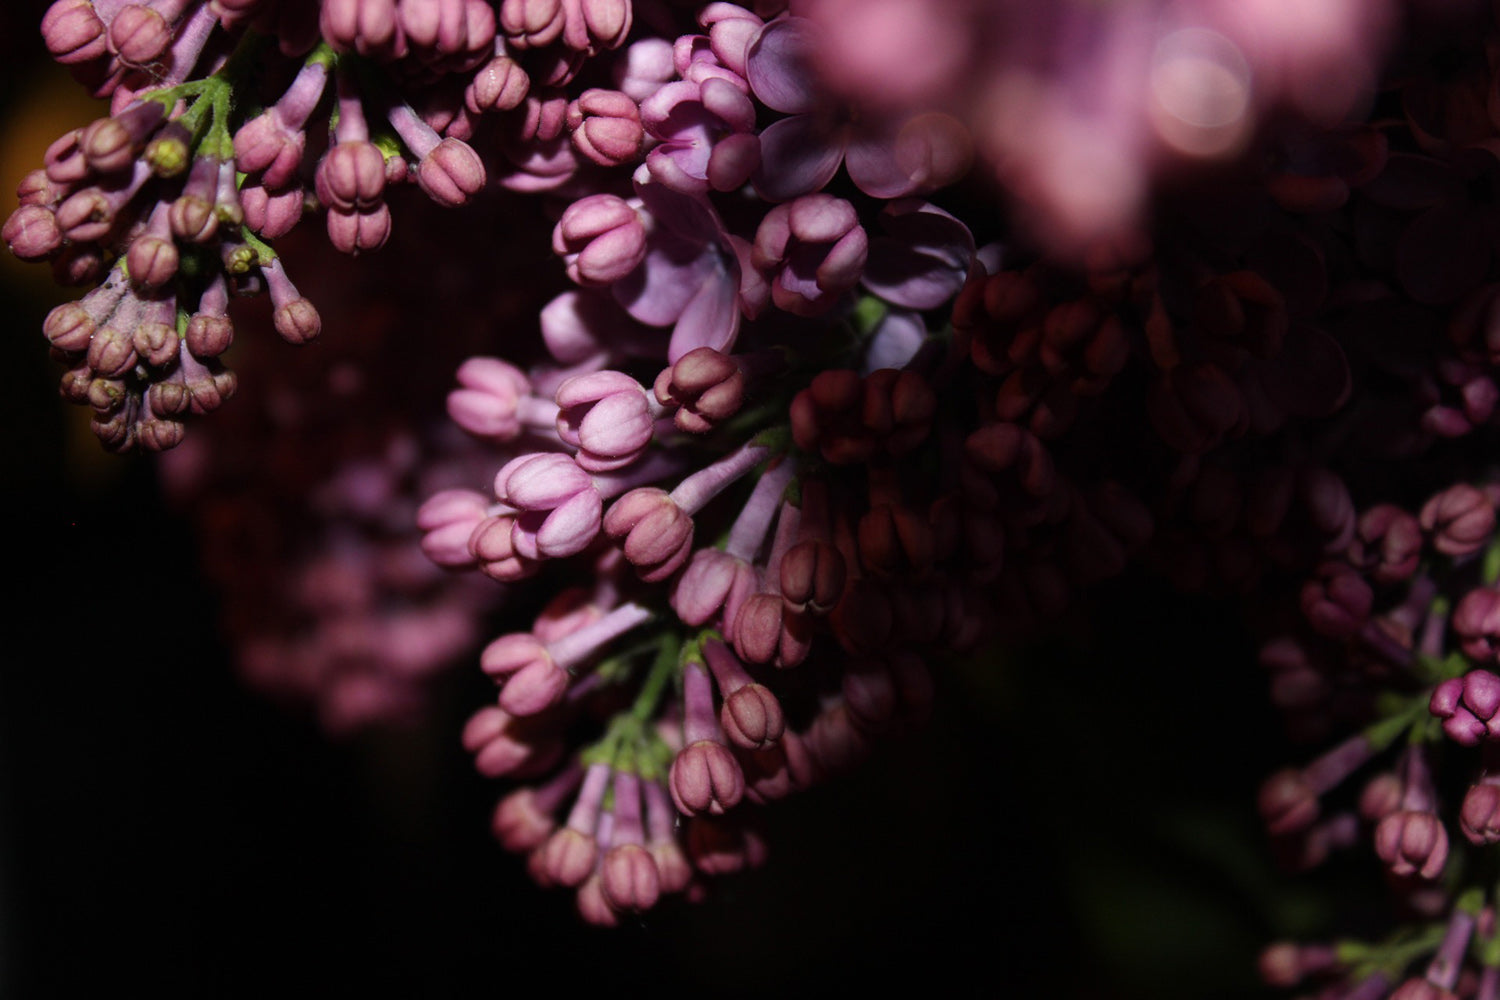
(1077, 819)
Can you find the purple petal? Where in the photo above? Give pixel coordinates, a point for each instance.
(894, 340)
(798, 156)
(711, 319)
(873, 166)
(780, 65)
(662, 287)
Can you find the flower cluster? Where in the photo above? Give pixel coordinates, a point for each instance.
(807, 421)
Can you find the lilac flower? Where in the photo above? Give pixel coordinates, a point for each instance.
(887, 157)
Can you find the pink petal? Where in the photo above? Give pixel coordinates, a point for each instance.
(798, 156)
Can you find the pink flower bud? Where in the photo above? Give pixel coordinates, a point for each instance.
(562, 508)
(714, 581)
(351, 176)
(446, 521)
(488, 400)
(1287, 803)
(32, 233)
(1387, 543)
(706, 386)
(72, 31)
(601, 239)
(1412, 843)
(706, 778)
(500, 85)
(139, 35)
(451, 173)
(1480, 817)
(530, 24)
(1460, 520)
(812, 250)
(266, 144)
(606, 416)
(357, 232)
(596, 25)
(1337, 601)
(656, 534)
(606, 127)
(519, 823)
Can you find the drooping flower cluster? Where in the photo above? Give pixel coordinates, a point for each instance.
(801, 431)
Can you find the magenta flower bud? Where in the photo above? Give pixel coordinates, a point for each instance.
(156, 435)
(351, 176)
(562, 508)
(597, 25)
(32, 233)
(266, 144)
(294, 317)
(591, 903)
(111, 144)
(532, 24)
(156, 343)
(812, 250)
(492, 544)
(500, 85)
(606, 415)
(812, 575)
(706, 778)
(606, 127)
(601, 239)
(535, 687)
(86, 215)
(1459, 721)
(139, 35)
(1412, 843)
(1337, 601)
(656, 534)
(494, 400)
(451, 173)
(766, 632)
(367, 26)
(1288, 803)
(714, 581)
(722, 846)
(152, 257)
(272, 215)
(629, 878)
(1420, 989)
(111, 352)
(519, 823)
(501, 745)
(73, 32)
(707, 387)
(359, 231)
(1380, 797)
(1387, 543)
(1476, 622)
(1480, 818)
(446, 521)
(1460, 520)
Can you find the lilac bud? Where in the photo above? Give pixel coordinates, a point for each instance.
(359, 231)
(606, 127)
(1387, 543)
(562, 508)
(601, 239)
(446, 521)
(606, 415)
(1480, 817)
(156, 343)
(500, 85)
(707, 387)
(32, 233)
(272, 215)
(531, 24)
(266, 144)
(595, 25)
(451, 173)
(367, 26)
(139, 35)
(73, 32)
(706, 778)
(351, 176)
(1287, 803)
(812, 250)
(1337, 601)
(655, 533)
(1460, 520)
(1412, 842)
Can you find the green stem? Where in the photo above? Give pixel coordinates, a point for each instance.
(663, 669)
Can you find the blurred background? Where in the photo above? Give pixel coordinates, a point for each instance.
(1077, 819)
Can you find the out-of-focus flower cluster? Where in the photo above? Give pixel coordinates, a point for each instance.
(798, 434)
